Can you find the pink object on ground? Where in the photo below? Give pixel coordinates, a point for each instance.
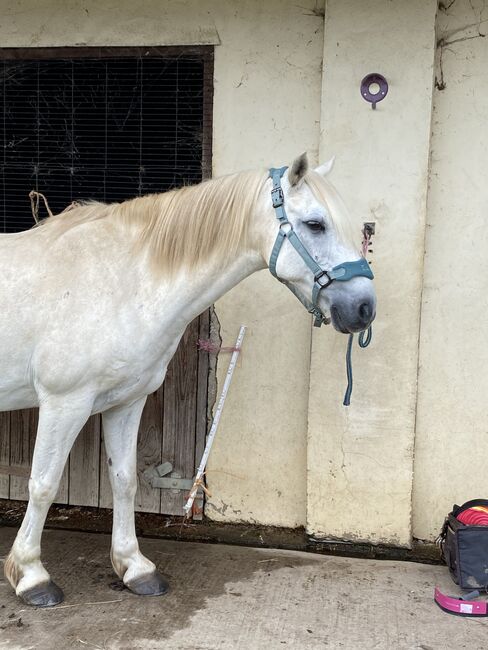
(460, 607)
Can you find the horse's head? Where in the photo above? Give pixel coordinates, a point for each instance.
(312, 250)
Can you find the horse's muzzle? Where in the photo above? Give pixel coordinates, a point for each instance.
(353, 318)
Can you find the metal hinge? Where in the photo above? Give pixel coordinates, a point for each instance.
(158, 477)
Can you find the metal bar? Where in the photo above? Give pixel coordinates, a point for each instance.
(15, 471)
(172, 483)
(213, 429)
(99, 52)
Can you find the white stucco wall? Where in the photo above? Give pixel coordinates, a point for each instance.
(360, 458)
(267, 110)
(452, 420)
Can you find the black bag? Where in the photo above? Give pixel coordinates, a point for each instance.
(465, 548)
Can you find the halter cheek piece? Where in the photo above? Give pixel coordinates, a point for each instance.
(322, 278)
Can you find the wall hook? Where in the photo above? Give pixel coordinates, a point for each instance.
(374, 88)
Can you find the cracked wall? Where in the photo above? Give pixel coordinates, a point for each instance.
(267, 110)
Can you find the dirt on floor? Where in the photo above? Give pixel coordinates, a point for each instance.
(227, 597)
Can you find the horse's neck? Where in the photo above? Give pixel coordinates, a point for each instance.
(189, 294)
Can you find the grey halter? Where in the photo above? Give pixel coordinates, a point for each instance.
(322, 278)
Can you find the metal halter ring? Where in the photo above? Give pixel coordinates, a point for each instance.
(285, 223)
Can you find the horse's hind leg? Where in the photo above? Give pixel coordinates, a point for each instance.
(60, 420)
(120, 428)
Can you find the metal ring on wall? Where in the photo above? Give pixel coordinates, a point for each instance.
(367, 82)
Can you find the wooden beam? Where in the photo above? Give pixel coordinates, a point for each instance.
(24, 472)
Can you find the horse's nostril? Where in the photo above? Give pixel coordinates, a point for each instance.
(365, 312)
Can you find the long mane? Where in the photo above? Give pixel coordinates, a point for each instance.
(181, 228)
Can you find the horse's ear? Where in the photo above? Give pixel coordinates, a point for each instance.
(298, 170)
(325, 169)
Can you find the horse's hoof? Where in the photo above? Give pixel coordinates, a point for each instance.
(152, 584)
(45, 594)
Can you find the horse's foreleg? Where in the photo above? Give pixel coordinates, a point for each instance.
(60, 420)
(120, 428)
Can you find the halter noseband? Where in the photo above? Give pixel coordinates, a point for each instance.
(322, 278)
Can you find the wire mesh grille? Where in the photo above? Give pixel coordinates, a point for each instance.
(104, 129)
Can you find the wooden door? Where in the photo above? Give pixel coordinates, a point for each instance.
(173, 428)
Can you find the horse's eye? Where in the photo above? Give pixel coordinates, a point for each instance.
(315, 226)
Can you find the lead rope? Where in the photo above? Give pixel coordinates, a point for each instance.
(362, 341)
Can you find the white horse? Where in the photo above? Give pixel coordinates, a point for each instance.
(93, 304)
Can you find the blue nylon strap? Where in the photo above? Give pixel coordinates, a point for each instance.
(319, 318)
(276, 174)
(276, 251)
(347, 270)
(303, 252)
(277, 197)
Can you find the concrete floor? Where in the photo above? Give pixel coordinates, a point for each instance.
(228, 597)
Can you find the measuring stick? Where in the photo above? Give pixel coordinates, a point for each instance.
(213, 429)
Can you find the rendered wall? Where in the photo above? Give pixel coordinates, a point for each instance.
(360, 458)
(267, 110)
(452, 419)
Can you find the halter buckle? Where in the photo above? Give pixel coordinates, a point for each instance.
(277, 197)
(321, 275)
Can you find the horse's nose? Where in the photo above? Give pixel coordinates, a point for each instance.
(366, 312)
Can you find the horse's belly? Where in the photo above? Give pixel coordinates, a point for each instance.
(19, 398)
(130, 390)
(16, 388)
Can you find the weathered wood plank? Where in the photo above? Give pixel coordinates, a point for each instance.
(4, 454)
(21, 423)
(148, 499)
(180, 398)
(23, 429)
(84, 465)
(10, 470)
(105, 491)
(148, 455)
(201, 405)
